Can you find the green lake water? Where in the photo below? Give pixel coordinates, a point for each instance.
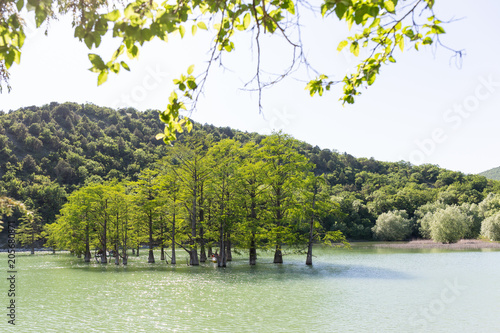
(362, 290)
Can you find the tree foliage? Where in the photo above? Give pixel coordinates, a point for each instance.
(392, 226)
(381, 27)
(449, 225)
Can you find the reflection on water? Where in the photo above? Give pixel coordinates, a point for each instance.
(366, 289)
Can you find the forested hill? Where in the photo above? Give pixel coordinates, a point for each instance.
(492, 173)
(47, 152)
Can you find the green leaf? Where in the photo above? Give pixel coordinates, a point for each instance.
(133, 52)
(427, 41)
(20, 5)
(202, 25)
(194, 28)
(89, 40)
(97, 61)
(342, 44)
(389, 6)
(246, 20)
(113, 16)
(190, 69)
(355, 48)
(182, 30)
(40, 15)
(192, 85)
(125, 66)
(103, 77)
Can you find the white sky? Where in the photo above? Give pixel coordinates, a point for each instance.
(423, 109)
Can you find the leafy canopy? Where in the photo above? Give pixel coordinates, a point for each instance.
(382, 27)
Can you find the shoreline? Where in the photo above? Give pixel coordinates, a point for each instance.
(462, 244)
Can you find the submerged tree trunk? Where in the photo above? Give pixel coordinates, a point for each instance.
(203, 256)
(278, 256)
(104, 256)
(221, 258)
(151, 257)
(311, 231)
(229, 255)
(253, 250)
(87, 244)
(310, 243)
(162, 254)
(173, 261)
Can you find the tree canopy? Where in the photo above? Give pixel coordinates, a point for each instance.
(380, 26)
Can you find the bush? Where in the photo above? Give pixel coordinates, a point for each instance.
(424, 215)
(449, 225)
(490, 227)
(392, 226)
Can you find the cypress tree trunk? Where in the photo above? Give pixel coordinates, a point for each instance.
(173, 260)
(278, 256)
(229, 255)
(104, 257)
(162, 255)
(310, 244)
(203, 256)
(117, 255)
(221, 258)
(87, 244)
(151, 258)
(253, 250)
(311, 231)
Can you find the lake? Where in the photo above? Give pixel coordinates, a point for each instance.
(361, 290)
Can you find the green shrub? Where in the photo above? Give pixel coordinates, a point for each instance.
(449, 225)
(392, 226)
(490, 227)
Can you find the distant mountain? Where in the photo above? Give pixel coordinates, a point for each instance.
(493, 174)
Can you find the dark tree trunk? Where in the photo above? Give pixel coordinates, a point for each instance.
(310, 243)
(87, 244)
(221, 258)
(162, 254)
(309, 259)
(203, 256)
(229, 255)
(137, 252)
(278, 256)
(79, 255)
(104, 257)
(173, 261)
(253, 250)
(117, 243)
(117, 256)
(151, 258)
(209, 251)
(133, 251)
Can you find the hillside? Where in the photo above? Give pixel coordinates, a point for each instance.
(493, 174)
(49, 151)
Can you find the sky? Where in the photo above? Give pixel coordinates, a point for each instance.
(426, 108)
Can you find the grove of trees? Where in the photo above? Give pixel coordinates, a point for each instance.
(49, 152)
(203, 195)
